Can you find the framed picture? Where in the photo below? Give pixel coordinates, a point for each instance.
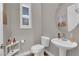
(25, 16)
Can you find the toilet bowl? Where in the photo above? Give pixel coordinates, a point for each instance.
(38, 49)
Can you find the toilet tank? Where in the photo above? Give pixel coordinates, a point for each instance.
(45, 41)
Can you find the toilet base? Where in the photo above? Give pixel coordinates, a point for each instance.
(39, 54)
(38, 50)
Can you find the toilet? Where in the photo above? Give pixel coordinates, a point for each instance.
(38, 49)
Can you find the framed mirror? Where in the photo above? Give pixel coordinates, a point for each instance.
(25, 16)
(73, 17)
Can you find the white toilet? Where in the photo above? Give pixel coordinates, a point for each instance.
(38, 49)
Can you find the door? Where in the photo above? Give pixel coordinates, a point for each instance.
(1, 29)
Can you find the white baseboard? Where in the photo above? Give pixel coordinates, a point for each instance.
(25, 53)
(29, 52)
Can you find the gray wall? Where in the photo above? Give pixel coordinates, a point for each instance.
(49, 24)
(31, 36)
(37, 22)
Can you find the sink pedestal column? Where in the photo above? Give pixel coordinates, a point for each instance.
(62, 52)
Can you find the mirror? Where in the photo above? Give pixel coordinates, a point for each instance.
(73, 17)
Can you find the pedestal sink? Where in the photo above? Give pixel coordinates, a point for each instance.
(63, 45)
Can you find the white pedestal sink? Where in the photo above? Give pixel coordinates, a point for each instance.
(63, 45)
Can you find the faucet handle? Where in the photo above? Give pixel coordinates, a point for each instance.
(59, 35)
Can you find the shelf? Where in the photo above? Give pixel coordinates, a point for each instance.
(12, 44)
(12, 52)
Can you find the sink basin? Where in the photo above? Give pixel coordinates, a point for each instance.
(63, 45)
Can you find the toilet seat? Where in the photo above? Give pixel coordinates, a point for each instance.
(37, 48)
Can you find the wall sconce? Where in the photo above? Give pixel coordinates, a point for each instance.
(61, 21)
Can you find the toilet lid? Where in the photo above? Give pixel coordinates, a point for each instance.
(37, 48)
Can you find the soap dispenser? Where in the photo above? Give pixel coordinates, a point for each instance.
(72, 38)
